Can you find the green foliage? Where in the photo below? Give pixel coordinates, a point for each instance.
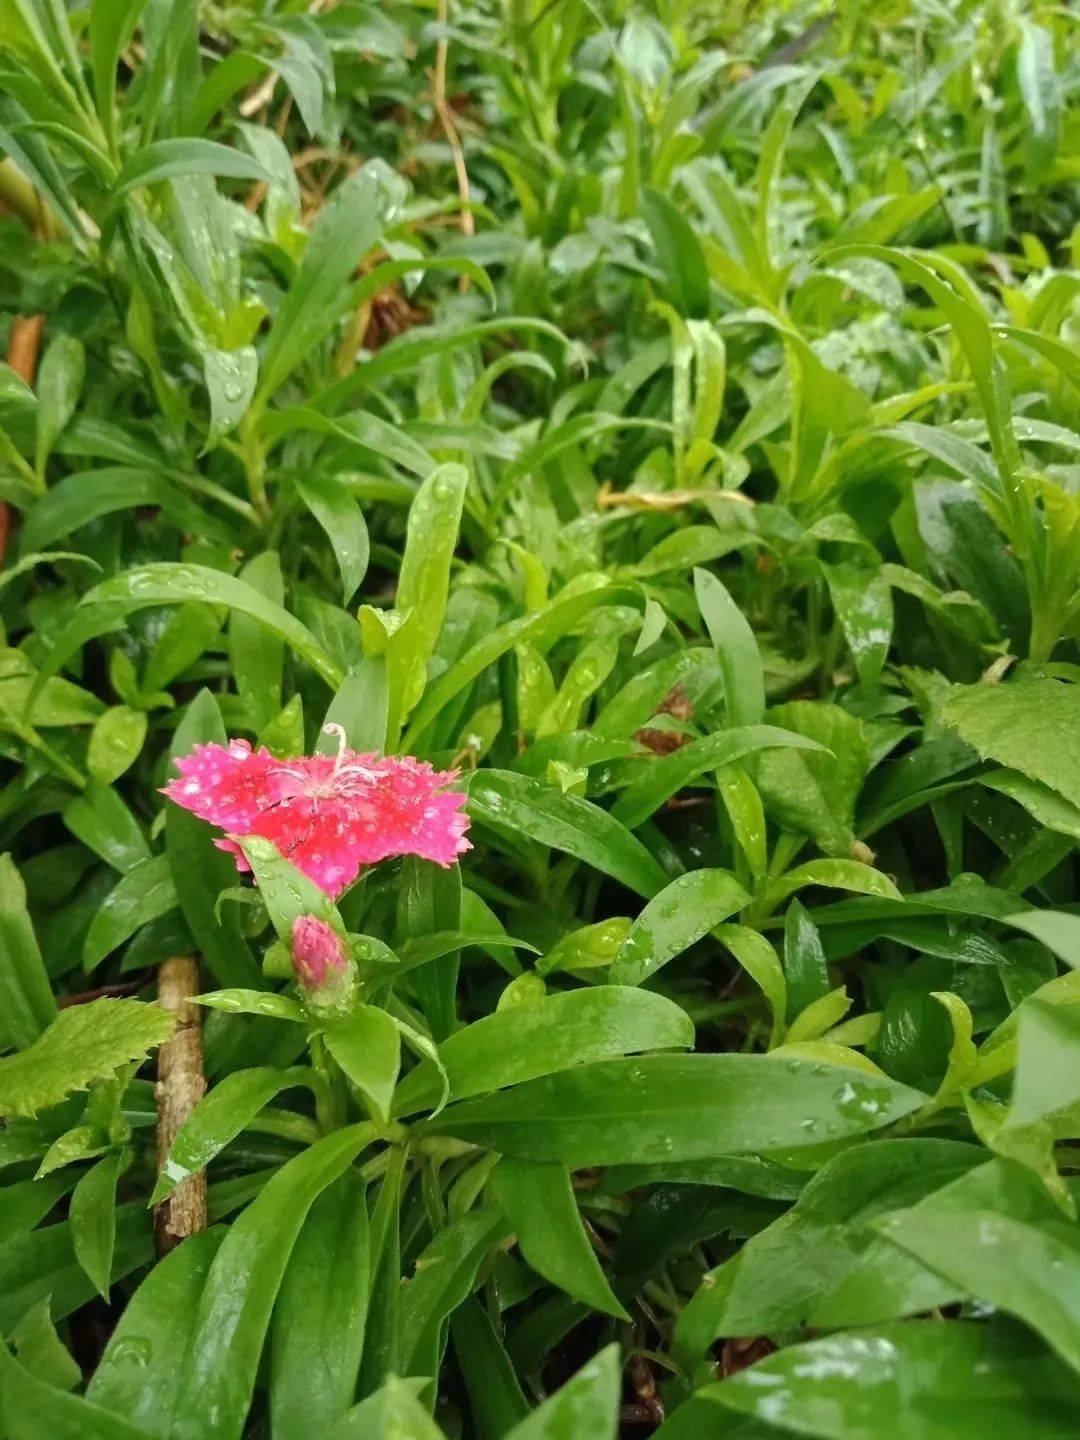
(83, 1044)
(667, 418)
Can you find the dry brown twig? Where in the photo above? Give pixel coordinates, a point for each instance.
(180, 1086)
(609, 499)
(258, 98)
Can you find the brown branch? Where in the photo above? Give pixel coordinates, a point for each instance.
(24, 347)
(180, 1087)
(84, 997)
(449, 128)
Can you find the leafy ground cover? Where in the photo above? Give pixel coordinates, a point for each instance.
(662, 422)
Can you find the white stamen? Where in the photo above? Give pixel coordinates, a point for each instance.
(340, 768)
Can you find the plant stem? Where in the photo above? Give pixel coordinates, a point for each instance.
(181, 1085)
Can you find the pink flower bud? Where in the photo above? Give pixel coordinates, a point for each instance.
(318, 952)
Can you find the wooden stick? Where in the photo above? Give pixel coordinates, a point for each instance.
(181, 1085)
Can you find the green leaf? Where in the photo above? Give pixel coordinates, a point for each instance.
(674, 920)
(41, 1351)
(49, 557)
(392, 1413)
(380, 1357)
(26, 999)
(218, 1373)
(554, 1033)
(33, 1410)
(429, 902)
(862, 599)
(1005, 1249)
(1045, 805)
(343, 521)
(92, 1218)
(347, 228)
(805, 971)
(920, 1378)
(285, 891)
(170, 584)
(665, 775)
(219, 1117)
(496, 1399)
(434, 519)
(883, 1284)
(1047, 1069)
(675, 1107)
(59, 385)
(112, 23)
(230, 376)
(104, 824)
(284, 735)
(554, 620)
(24, 1203)
(445, 1275)
(1040, 93)
(520, 806)
(253, 1002)
(360, 707)
(367, 1046)
(819, 1016)
(679, 253)
(1020, 725)
(838, 875)
(256, 649)
(138, 1376)
(144, 893)
(588, 1404)
(163, 159)
(785, 1274)
(79, 499)
(321, 1314)
(84, 1043)
(812, 792)
(538, 1201)
(759, 959)
(187, 635)
(115, 743)
(1056, 929)
(736, 647)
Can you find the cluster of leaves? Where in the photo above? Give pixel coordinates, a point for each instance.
(718, 516)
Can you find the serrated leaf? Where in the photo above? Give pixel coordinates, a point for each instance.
(84, 1043)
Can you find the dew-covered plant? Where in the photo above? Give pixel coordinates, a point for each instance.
(540, 584)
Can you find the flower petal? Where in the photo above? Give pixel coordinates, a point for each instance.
(227, 785)
(329, 815)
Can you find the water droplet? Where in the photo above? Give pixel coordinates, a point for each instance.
(858, 1101)
(134, 1350)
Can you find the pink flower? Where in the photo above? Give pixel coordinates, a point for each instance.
(330, 815)
(318, 952)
